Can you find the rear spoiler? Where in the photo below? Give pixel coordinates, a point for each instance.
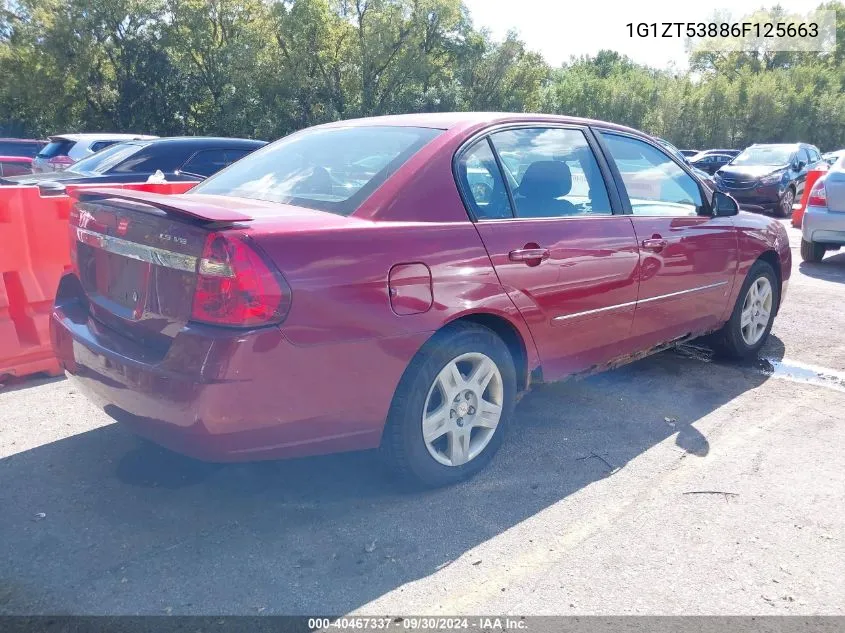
(174, 204)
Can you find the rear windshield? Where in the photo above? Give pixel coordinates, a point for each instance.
(332, 169)
(56, 148)
(16, 148)
(107, 158)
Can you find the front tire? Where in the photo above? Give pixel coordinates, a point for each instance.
(452, 407)
(753, 315)
(786, 201)
(812, 251)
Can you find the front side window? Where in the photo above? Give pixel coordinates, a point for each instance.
(328, 169)
(656, 185)
(552, 173)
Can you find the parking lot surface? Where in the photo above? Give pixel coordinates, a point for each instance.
(675, 485)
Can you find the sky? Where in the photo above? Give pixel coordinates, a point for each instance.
(561, 28)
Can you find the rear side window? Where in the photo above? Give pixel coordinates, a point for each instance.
(232, 155)
(205, 163)
(328, 169)
(98, 145)
(553, 173)
(656, 185)
(483, 184)
(56, 148)
(12, 148)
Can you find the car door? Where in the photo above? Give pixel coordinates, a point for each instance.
(804, 165)
(561, 248)
(688, 258)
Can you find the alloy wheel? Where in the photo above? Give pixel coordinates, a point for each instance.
(756, 310)
(786, 202)
(462, 409)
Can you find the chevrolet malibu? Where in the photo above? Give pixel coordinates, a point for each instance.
(351, 286)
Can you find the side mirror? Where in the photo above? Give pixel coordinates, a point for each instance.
(724, 205)
(801, 165)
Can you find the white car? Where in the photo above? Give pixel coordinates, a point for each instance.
(832, 157)
(64, 150)
(823, 226)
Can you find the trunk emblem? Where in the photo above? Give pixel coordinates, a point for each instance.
(173, 238)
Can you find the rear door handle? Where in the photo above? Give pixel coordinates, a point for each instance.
(655, 244)
(529, 254)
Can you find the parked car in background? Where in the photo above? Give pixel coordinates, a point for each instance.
(711, 163)
(769, 177)
(64, 150)
(707, 152)
(831, 157)
(689, 153)
(302, 301)
(14, 166)
(823, 226)
(25, 147)
(179, 159)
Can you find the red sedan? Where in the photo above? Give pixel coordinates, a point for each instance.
(398, 281)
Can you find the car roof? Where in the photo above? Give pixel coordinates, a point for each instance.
(203, 140)
(98, 137)
(793, 145)
(466, 120)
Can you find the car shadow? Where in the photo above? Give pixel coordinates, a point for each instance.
(15, 383)
(104, 523)
(831, 268)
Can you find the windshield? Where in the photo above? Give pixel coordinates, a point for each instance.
(107, 158)
(765, 156)
(331, 169)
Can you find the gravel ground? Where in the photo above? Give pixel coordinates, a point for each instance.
(675, 485)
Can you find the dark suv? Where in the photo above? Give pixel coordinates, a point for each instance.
(179, 159)
(768, 177)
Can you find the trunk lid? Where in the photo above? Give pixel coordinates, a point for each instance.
(136, 256)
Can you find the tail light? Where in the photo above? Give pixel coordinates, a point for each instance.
(59, 163)
(237, 286)
(818, 195)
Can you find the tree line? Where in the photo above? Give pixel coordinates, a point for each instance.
(264, 68)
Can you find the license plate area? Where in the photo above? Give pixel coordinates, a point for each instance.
(116, 282)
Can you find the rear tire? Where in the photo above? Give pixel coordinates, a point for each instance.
(458, 410)
(812, 251)
(745, 333)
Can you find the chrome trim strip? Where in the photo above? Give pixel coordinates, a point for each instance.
(631, 303)
(141, 252)
(594, 311)
(683, 292)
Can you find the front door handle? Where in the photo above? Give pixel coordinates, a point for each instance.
(656, 244)
(529, 255)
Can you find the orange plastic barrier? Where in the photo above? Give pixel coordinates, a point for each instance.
(34, 253)
(798, 209)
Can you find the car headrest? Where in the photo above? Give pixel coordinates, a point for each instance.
(546, 179)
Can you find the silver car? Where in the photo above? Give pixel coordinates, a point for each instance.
(823, 227)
